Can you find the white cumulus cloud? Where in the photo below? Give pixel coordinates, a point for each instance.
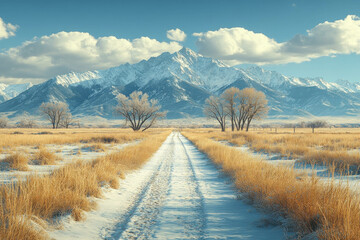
(7, 29)
(239, 45)
(176, 35)
(63, 52)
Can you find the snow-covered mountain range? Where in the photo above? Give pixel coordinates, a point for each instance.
(181, 82)
(9, 91)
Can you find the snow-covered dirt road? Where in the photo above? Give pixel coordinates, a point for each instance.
(178, 194)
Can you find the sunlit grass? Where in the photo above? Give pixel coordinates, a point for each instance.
(331, 147)
(67, 190)
(45, 157)
(17, 161)
(331, 210)
(33, 137)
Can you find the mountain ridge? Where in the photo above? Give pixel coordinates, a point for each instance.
(181, 82)
(9, 91)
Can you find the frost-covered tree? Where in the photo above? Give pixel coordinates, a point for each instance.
(242, 106)
(229, 96)
(4, 122)
(66, 120)
(316, 124)
(256, 105)
(249, 105)
(291, 125)
(55, 112)
(138, 111)
(215, 108)
(26, 121)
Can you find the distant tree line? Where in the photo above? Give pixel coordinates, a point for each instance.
(139, 112)
(240, 106)
(311, 124)
(26, 121)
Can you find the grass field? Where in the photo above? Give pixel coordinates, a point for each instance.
(335, 147)
(21, 137)
(329, 209)
(24, 213)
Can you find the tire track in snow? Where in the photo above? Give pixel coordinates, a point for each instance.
(178, 194)
(138, 222)
(170, 206)
(183, 214)
(200, 219)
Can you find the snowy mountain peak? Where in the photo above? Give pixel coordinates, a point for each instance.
(73, 78)
(181, 82)
(188, 52)
(185, 64)
(8, 91)
(268, 77)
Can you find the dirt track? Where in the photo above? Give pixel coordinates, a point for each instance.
(186, 197)
(177, 194)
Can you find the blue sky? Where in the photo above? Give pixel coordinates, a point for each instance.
(278, 22)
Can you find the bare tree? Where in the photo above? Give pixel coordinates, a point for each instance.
(67, 120)
(215, 108)
(242, 108)
(230, 96)
(316, 124)
(26, 121)
(241, 105)
(55, 112)
(291, 125)
(256, 105)
(302, 124)
(4, 122)
(138, 111)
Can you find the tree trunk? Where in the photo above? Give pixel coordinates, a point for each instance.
(248, 125)
(232, 123)
(242, 125)
(222, 127)
(313, 130)
(237, 125)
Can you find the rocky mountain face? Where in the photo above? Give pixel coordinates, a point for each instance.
(9, 91)
(181, 82)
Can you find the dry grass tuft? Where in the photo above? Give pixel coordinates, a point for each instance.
(98, 147)
(45, 157)
(77, 214)
(104, 139)
(17, 161)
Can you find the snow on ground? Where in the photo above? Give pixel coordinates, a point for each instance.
(177, 194)
(67, 153)
(321, 171)
(271, 157)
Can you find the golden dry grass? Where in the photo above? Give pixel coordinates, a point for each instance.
(331, 147)
(98, 147)
(45, 157)
(68, 189)
(330, 210)
(33, 137)
(17, 161)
